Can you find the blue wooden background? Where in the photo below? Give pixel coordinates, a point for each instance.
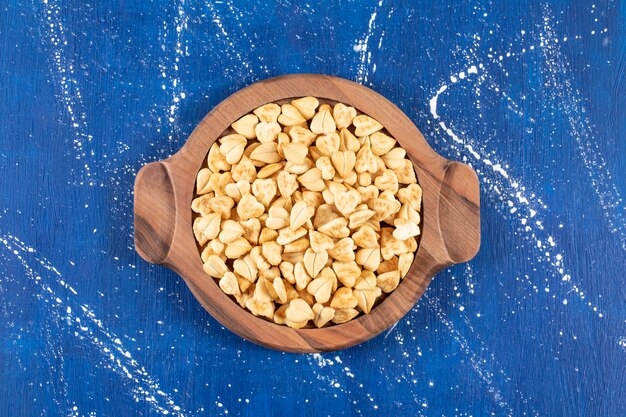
(530, 94)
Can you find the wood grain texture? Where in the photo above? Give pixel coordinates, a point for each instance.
(529, 94)
(163, 218)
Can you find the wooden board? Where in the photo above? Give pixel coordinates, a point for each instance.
(450, 211)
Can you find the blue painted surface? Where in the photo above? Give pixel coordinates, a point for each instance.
(530, 94)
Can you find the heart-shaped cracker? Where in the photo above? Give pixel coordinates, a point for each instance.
(216, 160)
(387, 182)
(302, 277)
(266, 152)
(218, 182)
(404, 263)
(343, 250)
(268, 113)
(312, 180)
(359, 217)
(295, 153)
(246, 268)
(306, 106)
(237, 248)
(299, 311)
(298, 245)
(369, 258)
(388, 281)
(405, 229)
(267, 234)
(348, 142)
(365, 125)
(210, 225)
(320, 242)
(302, 135)
(249, 207)
(202, 181)
(326, 167)
(369, 192)
(300, 214)
(409, 213)
(267, 131)
(222, 205)
(245, 126)
(229, 284)
(336, 228)
(367, 281)
(232, 147)
(314, 262)
(214, 247)
(321, 288)
(260, 308)
(322, 315)
(328, 144)
(366, 299)
(406, 173)
(394, 159)
(343, 162)
(390, 264)
(236, 190)
(299, 169)
(343, 115)
(323, 123)
(280, 290)
(366, 237)
(215, 267)
(411, 195)
(380, 143)
(287, 183)
(231, 230)
(346, 202)
(272, 251)
(365, 160)
(288, 235)
(286, 269)
(347, 272)
(343, 298)
(264, 190)
(389, 245)
(251, 229)
(270, 169)
(344, 315)
(244, 170)
(313, 199)
(383, 208)
(278, 218)
(290, 116)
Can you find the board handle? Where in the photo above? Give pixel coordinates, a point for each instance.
(459, 212)
(155, 212)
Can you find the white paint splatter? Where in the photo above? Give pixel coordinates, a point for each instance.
(321, 361)
(241, 62)
(62, 70)
(170, 71)
(362, 47)
(433, 100)
(505, 187)
(339, 378)
(559, 79)
(86, 326)
(391, 329)
(621, 342)
(477, 362)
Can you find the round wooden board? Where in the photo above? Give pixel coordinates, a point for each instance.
(163, 218)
